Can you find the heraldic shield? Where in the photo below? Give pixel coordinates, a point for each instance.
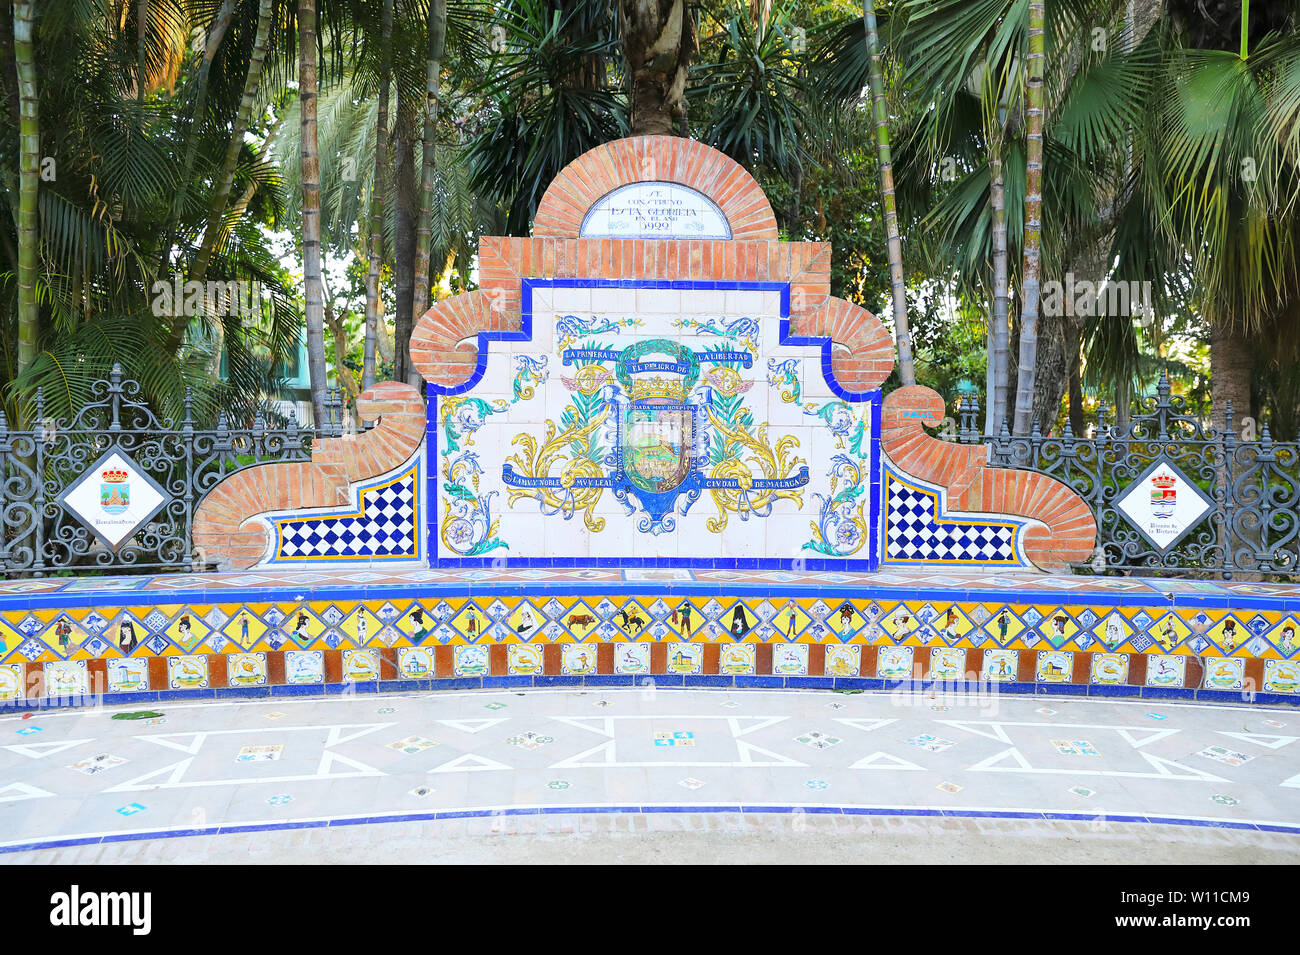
(657, 441)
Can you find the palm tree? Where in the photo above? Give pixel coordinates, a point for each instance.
(29, 182)
(428, 165)
(902, 335)
(311, 237)
(1029, 285)
(377, 198)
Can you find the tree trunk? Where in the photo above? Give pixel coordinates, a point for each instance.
(998, 357)
(1232, 368)
(902, 334)
(428, 164)
(1058, 356)
(378, 184)
(658, 44)
(1033, 210)
(214, 229)
(1123, 405)
(311, 252)
(1076, 393)
(404, 265)
(29, 162)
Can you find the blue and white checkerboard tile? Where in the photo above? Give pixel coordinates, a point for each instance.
(383, 525)
(917, 530)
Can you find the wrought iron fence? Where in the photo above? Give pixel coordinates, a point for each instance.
(42, 469)
(1251, 488)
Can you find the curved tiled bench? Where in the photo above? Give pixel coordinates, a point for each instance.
(973, 485)
(224, 528)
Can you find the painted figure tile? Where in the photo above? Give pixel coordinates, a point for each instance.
(470, 660)
(360, 666)
(1000, 666)
(577, 659)
(947, 663)
(187, 672)
(737, 659)
(1054, 666)
(128, 675)
(524, 659)
(303, 667)
(790, 659)
(246, 669)
(894, 663)
(1283, 636)
(11, 681)
(843, 660)
(66, 678)
(1109, 669)
(1166, 669)
(632, 658)
(1282, 676)
(1224, 673)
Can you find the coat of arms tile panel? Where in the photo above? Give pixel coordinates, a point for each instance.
(654, 421)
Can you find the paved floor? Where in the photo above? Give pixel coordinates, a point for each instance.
(656, 776)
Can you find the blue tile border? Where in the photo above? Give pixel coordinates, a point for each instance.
(666, 681)
(642, 809)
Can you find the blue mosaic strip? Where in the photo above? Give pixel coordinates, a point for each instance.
(660, 681)
(639, 809)
(127, 592)
(919, 531)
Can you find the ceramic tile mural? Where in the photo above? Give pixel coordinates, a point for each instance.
(661, 421)
(128, 675)
(187, 673)
(894, 663)
(790, 659)
(1054, 667)
(534, 616)
(470, 660)
(524, 659)
(66, 678)
(632, 658)
(685, 658)
(947, 663)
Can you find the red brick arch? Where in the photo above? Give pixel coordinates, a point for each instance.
(654, 159)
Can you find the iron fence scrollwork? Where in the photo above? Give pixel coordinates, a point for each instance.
(41, 536)
(1252, 527)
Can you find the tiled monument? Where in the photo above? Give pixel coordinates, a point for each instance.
(654, 447)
